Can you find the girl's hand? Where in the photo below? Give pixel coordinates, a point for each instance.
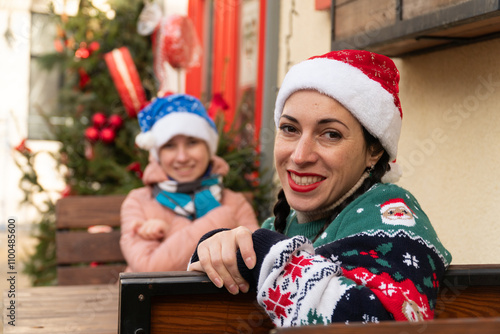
(153, 229)
(136, 225)
(217, 258)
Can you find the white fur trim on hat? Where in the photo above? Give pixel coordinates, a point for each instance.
(187, 124)
(366, 99)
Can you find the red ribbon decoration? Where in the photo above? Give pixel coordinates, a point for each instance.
(126, 79)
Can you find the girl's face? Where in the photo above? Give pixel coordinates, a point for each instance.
(320, 151)
(184, 159)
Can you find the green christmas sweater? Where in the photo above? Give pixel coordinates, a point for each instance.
(379, 259)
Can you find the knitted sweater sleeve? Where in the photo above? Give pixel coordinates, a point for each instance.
(369, 275)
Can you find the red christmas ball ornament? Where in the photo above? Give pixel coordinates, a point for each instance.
(98, 120)
(108, 135)
(92, 134)
(94, 46)
(82, 53)
(115, 121)
(180, 45)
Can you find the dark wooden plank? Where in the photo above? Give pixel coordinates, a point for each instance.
(79, 246)
(85, 211)
(473, 275)
(417, 31)
(414, 8)
(471, 302)
(103, 274)
(469, 291)
(356, 17)
(209, 314)
(443, 326)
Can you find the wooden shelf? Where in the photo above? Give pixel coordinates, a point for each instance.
(399, 28)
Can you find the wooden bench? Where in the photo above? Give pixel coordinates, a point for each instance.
(187, 302)
(83, 257)
(87, 258)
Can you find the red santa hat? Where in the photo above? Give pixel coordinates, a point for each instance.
(364, 82)
(393, 204)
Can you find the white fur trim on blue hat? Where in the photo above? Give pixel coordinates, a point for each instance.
(187, 124)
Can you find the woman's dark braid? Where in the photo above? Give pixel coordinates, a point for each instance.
(281, 211)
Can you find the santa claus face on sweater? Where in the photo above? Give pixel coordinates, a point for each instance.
(396, 212)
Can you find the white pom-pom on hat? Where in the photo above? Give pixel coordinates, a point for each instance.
(145, 140)
(394, 174)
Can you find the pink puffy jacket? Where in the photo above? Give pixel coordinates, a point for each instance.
(174, 251)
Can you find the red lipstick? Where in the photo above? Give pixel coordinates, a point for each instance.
(302, 188)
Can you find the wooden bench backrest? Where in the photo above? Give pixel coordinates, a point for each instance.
(83, 257)
(187, 302)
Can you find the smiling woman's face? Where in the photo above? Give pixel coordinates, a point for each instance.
(320, 151)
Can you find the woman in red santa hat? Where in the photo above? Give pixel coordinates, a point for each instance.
(346, 244)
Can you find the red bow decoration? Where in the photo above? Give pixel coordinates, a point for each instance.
(217, 103)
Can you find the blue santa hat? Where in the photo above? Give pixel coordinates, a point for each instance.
(177, 114)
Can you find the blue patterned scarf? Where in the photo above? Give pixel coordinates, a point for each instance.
(192, 199)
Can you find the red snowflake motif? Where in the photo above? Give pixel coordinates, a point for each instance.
(295, 266)
(372, 253)
(277, 302)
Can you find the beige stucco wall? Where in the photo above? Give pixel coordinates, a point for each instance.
(449, 147)
(303, 32)
(451, 129)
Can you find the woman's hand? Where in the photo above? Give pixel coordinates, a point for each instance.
(217, 258)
